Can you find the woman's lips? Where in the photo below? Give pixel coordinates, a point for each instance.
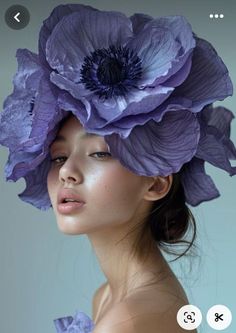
(69, 207)
(68, 194)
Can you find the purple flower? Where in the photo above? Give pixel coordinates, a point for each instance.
(81, 323)
(124, 68)
(143, 83)
(121, 67)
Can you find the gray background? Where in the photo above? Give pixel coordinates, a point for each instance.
(46, 274)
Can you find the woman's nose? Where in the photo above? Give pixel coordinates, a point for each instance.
(70, 172)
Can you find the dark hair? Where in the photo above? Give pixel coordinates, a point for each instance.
(166, 224)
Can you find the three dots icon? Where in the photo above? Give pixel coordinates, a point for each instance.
(216, 16)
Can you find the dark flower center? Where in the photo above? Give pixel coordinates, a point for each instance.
(111, 72)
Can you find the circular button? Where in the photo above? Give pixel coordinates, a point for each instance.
(189, 317)
(219, 317)
(17, 17)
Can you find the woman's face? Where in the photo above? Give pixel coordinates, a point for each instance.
(113, 195)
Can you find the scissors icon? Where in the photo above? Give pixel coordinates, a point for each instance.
(218, 317)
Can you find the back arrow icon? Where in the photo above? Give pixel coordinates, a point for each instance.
(16, 17)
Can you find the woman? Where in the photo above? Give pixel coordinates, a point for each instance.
(116, 115)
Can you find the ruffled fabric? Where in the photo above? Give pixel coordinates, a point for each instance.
(147, 85)
(80, 323)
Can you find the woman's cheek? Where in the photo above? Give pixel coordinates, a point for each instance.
(52, 184)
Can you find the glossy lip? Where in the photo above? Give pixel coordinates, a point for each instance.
(69, 207)
(68, 194)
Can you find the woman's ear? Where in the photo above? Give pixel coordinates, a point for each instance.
(158, 188)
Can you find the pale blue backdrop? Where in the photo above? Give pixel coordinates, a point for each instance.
(46, 274)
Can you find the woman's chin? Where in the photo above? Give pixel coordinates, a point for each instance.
(69, 227)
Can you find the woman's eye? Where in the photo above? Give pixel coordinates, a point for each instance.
(59, 159)
(102, 153)
(55, 160)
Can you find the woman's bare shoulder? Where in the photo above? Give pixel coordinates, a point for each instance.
(143, 312)
(157, 313)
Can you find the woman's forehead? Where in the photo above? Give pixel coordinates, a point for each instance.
(71, 122)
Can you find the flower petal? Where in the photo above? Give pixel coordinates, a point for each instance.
(62, 323)
(49, 24)
(36, 192)
(218, 117)
(198, 186)
(142, 101)
(101, 112)
(215, 145)
(45, 109)
(15, 120)
(158, 148)
(29, 70)
(156, 48)
(15, 167)
(70, 104)
(30, 154)
(138, 21)
(81, 323)
(208, 80)
(164, 45)
(16, 117)
(124, 125)
(77, 90)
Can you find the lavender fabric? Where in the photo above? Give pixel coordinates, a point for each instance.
(146, 84)
(80, 323)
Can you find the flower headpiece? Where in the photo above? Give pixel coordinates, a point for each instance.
(146, 84)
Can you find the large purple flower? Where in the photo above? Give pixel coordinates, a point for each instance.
(143, 83)
(120, 66)
(124, 68)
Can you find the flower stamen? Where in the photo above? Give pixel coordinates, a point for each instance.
(111, 72)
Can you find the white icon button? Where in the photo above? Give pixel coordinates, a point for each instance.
(189, 317)
(219, 317)
(16, 17)
(216, 16)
